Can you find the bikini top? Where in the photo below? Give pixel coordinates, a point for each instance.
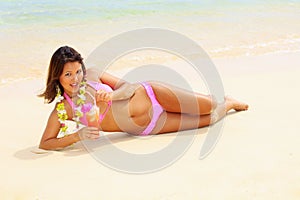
(90, 110)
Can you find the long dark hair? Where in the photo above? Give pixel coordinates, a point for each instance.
(60, 57)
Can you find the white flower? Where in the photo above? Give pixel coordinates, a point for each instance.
(76, 119)
(59, 99)
(62, 111)
(81, 96)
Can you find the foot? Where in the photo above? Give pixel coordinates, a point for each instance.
(235, 104)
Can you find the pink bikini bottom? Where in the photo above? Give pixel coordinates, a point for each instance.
(157, 108)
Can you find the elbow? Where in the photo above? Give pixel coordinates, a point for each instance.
(45, 145)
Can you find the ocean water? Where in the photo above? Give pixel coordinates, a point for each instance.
(30, 30)
(22, 13)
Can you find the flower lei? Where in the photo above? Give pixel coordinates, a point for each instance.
(62, 113)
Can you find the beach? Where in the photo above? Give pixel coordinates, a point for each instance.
(257, 155)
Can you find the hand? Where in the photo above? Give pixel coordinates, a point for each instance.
(103, 96)
(88, 133)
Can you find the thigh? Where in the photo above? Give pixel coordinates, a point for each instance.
(174, 99)
(172, 122)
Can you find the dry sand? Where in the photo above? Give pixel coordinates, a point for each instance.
(257, 156)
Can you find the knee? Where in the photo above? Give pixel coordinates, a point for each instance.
(214, 117)
(214, 102)
(208, 104)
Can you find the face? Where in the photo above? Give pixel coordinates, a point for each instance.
(71, 77)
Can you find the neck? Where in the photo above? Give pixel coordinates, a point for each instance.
(71, 95)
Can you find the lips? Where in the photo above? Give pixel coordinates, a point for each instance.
(74, 87)
(74, 84)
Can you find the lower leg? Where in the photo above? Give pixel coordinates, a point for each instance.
(176, 121)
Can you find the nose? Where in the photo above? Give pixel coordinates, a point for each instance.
(75, 77)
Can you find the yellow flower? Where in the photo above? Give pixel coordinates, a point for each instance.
(78, 113)
(62, 116)
(65, 116)
(64, 128)
(60, 106)
(80, 102)
(81, 91)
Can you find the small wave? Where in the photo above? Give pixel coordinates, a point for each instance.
(260, 48)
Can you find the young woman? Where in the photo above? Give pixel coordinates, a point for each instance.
(101, 101)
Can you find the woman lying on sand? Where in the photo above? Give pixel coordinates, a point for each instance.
(139, 109)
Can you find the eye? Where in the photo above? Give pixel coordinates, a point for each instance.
(67, 74)
(79, 71)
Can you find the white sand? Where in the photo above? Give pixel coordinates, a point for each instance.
(257, 156)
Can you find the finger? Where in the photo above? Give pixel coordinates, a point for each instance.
(95, 137)
(99, 93)
(98, 96)
(105, 97)
(108, 97)
(92, 128)
(92, 136)
(94, 131)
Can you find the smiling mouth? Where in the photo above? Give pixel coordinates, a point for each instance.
(74, 84)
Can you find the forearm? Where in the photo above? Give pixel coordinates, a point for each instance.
(124, 91)
(59, 143)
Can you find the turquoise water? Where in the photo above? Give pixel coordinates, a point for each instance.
(30, 30)
(27, 12)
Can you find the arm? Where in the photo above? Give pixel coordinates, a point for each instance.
(115, 83)
(122, 89)
(49, 140)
